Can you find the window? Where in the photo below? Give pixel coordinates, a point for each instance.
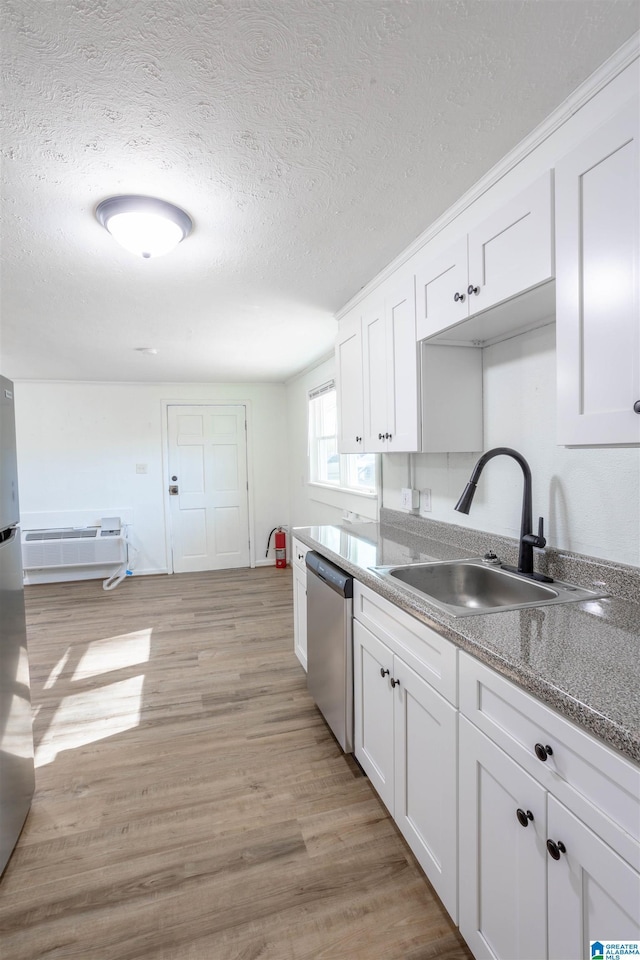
(351, 471)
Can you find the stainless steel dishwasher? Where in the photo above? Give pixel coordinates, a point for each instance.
(330, 645)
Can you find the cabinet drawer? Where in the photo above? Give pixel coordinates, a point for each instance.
(298, 553)
(600, 786)
(431, 656)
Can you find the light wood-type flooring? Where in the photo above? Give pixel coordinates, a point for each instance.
(191, 803)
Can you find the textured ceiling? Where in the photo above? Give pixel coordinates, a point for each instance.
(309, 140)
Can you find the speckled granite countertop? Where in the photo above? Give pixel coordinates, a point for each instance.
(582, 659)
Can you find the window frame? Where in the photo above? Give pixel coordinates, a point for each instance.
(345, 463)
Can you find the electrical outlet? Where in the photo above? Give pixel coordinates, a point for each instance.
(409, 499)
(425, 500)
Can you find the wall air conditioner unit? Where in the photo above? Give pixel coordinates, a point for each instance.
(72, 547)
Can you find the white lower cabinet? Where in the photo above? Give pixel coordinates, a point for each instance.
(405, 739)
(593, 893)
(536, 880)
(527, 826)
(502, 883)
(373, 711)
(425, 777)
(298, 555)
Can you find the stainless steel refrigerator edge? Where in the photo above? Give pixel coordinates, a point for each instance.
(330, 645)
(16, 737)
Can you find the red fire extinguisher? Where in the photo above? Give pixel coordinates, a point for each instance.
(281, 546)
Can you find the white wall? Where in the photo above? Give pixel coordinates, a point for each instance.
(589, 496)
(79, 443)
(310, 505)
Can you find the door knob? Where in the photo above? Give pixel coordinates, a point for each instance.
(383, 672)
(471, 289)
(395, 683)
(543, 752)
(173, 489)
(458, 297)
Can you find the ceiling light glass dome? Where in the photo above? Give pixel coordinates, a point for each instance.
(145, 226)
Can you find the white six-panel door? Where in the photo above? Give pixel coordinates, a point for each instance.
(207, 454)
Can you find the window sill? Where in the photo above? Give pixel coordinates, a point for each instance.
(344, 498)
(350, 490)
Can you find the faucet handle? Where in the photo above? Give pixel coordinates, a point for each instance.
(537, 540)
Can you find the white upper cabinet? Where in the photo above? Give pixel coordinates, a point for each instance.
(598, 258)
(402, 367)
(441, 283)
(390, 367)
(506, 256)
(512, 250)
(374, 362)
(349, 384)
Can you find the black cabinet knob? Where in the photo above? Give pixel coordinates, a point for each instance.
(636, 406)
(395, 683)
(458, 297)
(380, 436)
(524, 817)
(383, 672)
(555, 849)
(358, 439)
(543, 752)
(471, 289)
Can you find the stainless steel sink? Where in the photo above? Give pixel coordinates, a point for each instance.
(463, 588)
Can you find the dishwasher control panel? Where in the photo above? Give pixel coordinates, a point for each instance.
(334, 577)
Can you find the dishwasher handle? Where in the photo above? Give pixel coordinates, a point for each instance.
(332, 576)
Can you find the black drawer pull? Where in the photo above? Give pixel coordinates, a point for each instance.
(524, 816)
(555, 849)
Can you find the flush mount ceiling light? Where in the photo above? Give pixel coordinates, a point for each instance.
(145, 226)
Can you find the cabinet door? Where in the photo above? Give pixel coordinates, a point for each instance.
(374, 361)
(373, 711)
(426, 775)
(502, 882)
(349, 385)
(598, 320)
(299, 552)
(512, 250)
(438, 280)
(402, 367)
(593, 893)
(300, 615)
